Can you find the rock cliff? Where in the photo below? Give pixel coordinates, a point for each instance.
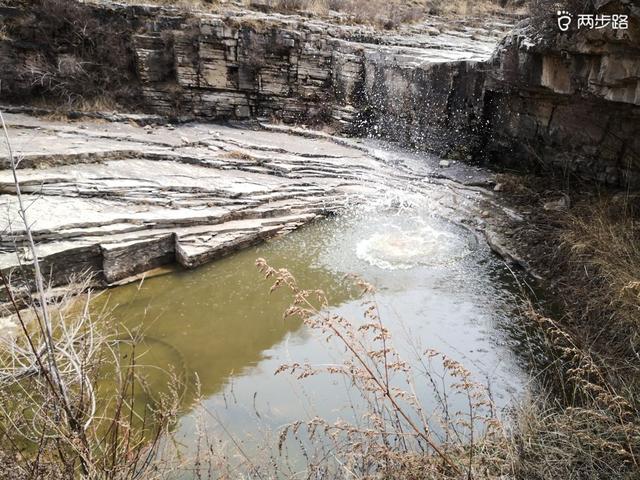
(570, 102)
(419, 85)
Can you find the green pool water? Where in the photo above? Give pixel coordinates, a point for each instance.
(437, 287)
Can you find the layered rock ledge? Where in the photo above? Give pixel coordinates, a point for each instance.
(568, 101)
(116, 199)
(418, 85)
(121, 197)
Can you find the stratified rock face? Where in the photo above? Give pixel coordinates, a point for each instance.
(567, 102)
(419, 85)
(571, 102)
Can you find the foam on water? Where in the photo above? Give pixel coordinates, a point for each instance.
(402, 247)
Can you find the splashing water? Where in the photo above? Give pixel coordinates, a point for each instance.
(426, 242)
(221, 323)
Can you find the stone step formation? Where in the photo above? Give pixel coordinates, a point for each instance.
(117, 194)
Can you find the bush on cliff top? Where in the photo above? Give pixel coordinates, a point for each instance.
(81, 57)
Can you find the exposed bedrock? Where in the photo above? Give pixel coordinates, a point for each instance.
(117, 199)
(419, 85)
(414, 87)
(569, 101)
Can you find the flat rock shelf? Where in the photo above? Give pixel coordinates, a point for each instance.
(117, 199)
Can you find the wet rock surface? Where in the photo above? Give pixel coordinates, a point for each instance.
(118, 199)
(418, 85)
(118, 194)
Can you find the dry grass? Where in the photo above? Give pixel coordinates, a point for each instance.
(587, 425)
(237, 155)
(190, 5)
(592, 251)
(92, 56)
(386, 14)
(585, 348)
(55, 421)
(395, 435)
(603, 241)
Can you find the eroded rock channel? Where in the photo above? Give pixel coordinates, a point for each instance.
(119, 198)
(330, 149)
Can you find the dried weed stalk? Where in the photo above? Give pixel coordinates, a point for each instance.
(395, 435)
(55, 422)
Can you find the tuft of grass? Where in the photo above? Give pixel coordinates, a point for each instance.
(588, 425)
(602, 244)
(238, 155)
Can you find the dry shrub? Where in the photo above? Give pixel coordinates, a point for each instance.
(587, 423)
(56, 421)
(590, 428)
(84, 53)
(601, 246)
